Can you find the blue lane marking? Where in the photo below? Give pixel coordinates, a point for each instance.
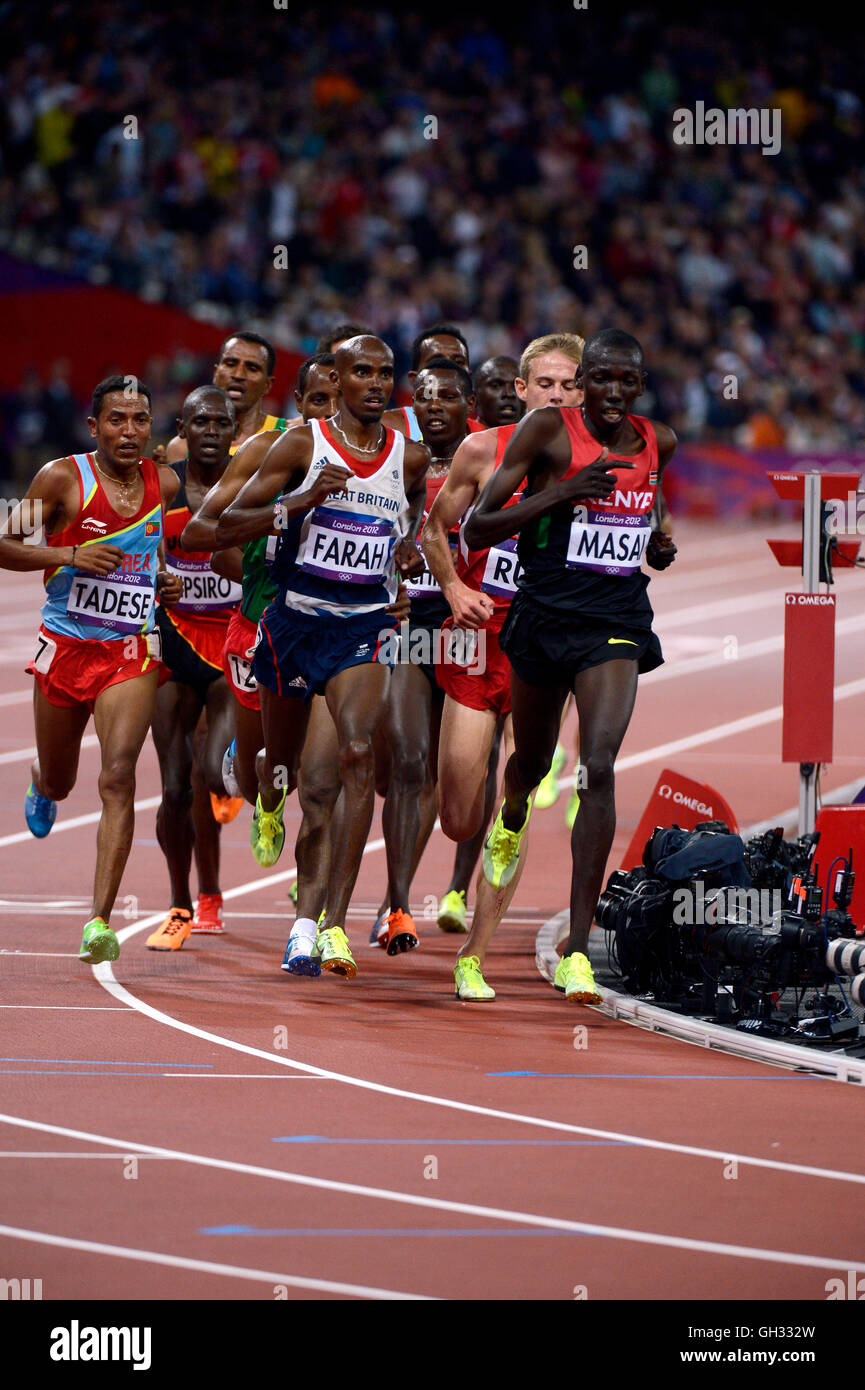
(654, 1076)
(103, 1062)
(386, 1233)
(491, 1143)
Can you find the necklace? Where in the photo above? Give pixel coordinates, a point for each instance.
(125, 487)
(376, 448)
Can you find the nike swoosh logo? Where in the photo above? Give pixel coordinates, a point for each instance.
(613, 640)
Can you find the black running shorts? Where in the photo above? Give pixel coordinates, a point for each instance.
(549, 648)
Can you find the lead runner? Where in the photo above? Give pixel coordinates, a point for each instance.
(97, 653)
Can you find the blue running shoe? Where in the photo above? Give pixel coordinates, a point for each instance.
(301, 957)
(40, 813)
(378, 935)
(228, 778)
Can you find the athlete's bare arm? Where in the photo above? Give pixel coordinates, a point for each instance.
(199, 533)
(661, 550)
(228, 563)
(472, 464)
(540, 444)
(51, 502)
(283, 469)
(168, 584)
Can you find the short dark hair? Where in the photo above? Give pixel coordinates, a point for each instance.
(118, 383)
(612, 340)
(249, 337)
(435, 330)
(191, 401)
(318, 359)
(492, 363)
(447, 364)
(339, 333)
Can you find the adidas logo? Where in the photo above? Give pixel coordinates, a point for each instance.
(298, 681)
(91, 524)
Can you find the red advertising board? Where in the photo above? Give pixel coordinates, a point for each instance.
(809, 678)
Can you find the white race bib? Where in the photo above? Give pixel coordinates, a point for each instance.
(122, 602)
(606, 543)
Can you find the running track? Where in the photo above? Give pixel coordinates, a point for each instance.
(377, 1138)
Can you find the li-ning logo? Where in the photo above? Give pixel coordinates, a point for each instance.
(681, 800)
(91, 524)
(76, 1343)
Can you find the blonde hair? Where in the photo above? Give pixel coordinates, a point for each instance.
(570, 344)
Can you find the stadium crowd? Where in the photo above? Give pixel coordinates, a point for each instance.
(288, 168)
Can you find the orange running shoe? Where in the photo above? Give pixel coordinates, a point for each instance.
(208, 914)
(401, 934)
(225, 808)
(173, 932)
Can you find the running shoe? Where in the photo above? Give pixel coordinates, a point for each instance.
(301, 956)
(292, 892)
(208, 914)
(575, 979)
(502, 851)
(572, 808)
(547, 793)
(173, 932)
(335, 953)
(40, 813)
(470, 983)
(225, 808)
(98, 942)
(452, 912)
(378, 935)
(401, 932)
(229, 780)
(267, 833)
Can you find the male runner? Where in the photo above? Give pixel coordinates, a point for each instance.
(479, 590)
(582, 620)
(339, 334)
(193, 636)
(407, 749)
(102, 519)
(353, 494)
(244, 370)
(497, 403)
(439, 340)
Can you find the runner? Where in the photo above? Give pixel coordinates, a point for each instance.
(479, 590)
(194, 801)
(407, 747)
(339, 334)
(439, 340)
(351, 489)
(497, 403)
(244, 370)
(101, 515)
(582, 620)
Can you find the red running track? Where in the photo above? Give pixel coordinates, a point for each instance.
(240, 1132)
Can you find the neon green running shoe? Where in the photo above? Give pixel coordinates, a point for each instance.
(292, 892)
(470, 983)
(547, 793)
(575, 979)
(335, 953)
(452, 912)
(267, 833)
(502, 851)
(98, 942)
(572, 808)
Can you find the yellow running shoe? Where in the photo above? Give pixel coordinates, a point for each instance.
(502, 850)
(547, 793)
(267, 833)
(173, 932)
(572, 808)
(471, 986)
(98, 942)
(575, 979)
(335, 953)
(452, 912)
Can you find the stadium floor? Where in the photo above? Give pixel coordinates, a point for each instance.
(378, 1138)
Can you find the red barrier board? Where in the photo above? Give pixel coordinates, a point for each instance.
(842, 828)
(809, 678)
(676, 800)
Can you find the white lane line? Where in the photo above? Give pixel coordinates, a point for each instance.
(63, 1153)
(26, 755)
(245, 1075)
(105, 976)
(23, 836)
(17, 697)
(96, 1008)
(65, 955)
(714, 659)
(521, 1218)
(154, 1257)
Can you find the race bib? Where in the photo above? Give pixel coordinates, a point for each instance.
(502, 570)
(204, 591)
(606, 543)
(122, 602)
(45, 653)
(346, 548)
(241, 673)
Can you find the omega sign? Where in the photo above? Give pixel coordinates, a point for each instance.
(690, 801)
(811, 600)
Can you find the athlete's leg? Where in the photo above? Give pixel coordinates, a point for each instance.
(250, 737)
(284, 722)
(468, 851)
(406, 727)
(177, 711)
(122, 716)
(318, 791)
(605, 698)
(464, 750)
(213, 735)
(537, 712)
(356, 698)
(59, 730)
